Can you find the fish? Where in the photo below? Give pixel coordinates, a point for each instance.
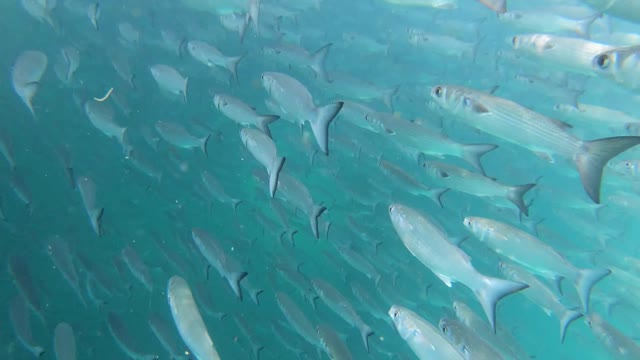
(21, 273)
(618, 344)
(498, 6)
(137, 267)
(211, 56)
(64, 342)
(122, 66)
(170, 80)
(424, 339)
(410, 184)
(624, 9)
(236, 22)
(61, 255)
(297, 319)
(248, 332)
(19, 316)
(178, 136)
(187, 318)
(421, 139)
(101, 116)
(359, 262)
(27, 71)
(297, 56)
(124, 340)
(476, 184)
(335, 348)
(548, 21)
(341, 306)
(87, 189)
(542, 296)
(40, 10)
(429, 244)
(535, 255)
(264, 150)
(216, 257)
(467, 341)
(69, 63)
(295, 100)
(296, 193)
(165, 335)
(216, 189)
(538, 133)
(241, 113)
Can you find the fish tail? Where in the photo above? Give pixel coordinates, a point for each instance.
(184, 89)
(234, 204)
(264, 121)
(122, 136)
(387, 96)
(586, 279)
(313, 218)
(493, 290)
(234, 279)
(365, 332)
(471, 153)
(96, 220)
(583, 27)
(203, 144)
(435, 195)
(274, 174)
(516, 196)
(317, 62)
(254, 14)
(320, 125)
(243, 29)
(254, 295)
(256, 350)
(592, 156)
(232, 65)
(568, 316)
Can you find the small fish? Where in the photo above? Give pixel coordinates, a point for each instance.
(22, 190)
(332, 344)
(27, 70)
(165, 335)
(101, 116)
(170, 80)
(534, 254)
(189, 321)
(547, 21)
(61, 255)
(295, 56)
(19, 316)
(178, 136)
(429, 244)
(241, 113)
(124, 340)
(297, 319)
(216, 189)
(424, 339)
(64, 342)
(137, 267)
(467, 341)
(264, 150)
(296, 101)
(436, 4)
(211, 56)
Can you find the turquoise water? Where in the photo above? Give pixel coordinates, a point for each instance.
(164, 204)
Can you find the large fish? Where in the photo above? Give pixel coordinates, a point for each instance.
(423, 338)
(296, 102)
(27, 70)
(264, 150)
(532, 253)
(188, 320)
(542, 135)
(429, 244)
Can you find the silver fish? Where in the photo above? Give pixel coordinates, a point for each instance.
(124, 340)
(137, 267)
(295, 56)
(165, 335)
(295, 100)
(188, 320)
(429, 244)
(467, 341)
(335, 348)
(178, 136)
(297, 319)
(236, 110)
(237, 22)
(64, 342)
(101, 116)
(27, 70)
(211, 56)
(423, 338)
(537, 256)
(297, 194)
(216, 189)
(264, 150)
(19, 316)
(170, 80)
(540, 134)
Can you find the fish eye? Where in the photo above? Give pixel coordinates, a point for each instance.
(438, 91)
(391, 207)
(603, 61)
(627, 164)
(443, 327)
(514, 40)
(395, 314)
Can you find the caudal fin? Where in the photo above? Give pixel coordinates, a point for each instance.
(264, 121)
(320, 125)
(435, 194)
(566, 318)
(203, 145)
(254, 295)
(516, 196)
(184, 88)
(274, 174)
(234, 204)
(317, 62)
(234, 281)
(313, 219)
(387, 97)
(491, 290)
(96, 221)
(365, 332)
(232, 65)
(586, 279)
(583, 26)
(471, 153)
(594, 155)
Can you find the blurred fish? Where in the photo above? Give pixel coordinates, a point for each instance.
(333, 346)
(19, 316)
(467, 341)
(170, 80)
(236, 22)
(215, 188)
(547, 21)
(61, 255)
(264, 150)
(295, 56)
(137, 267)
(297, 319)
(618, 344)
(124, 340)
(436, 4)
(620, 64)
(64, 342)
(94, 12)
(211, 56)
(188, 320)
(241, 113)
(297, 103)
(27, 70)
(178, 136)
(101, 116)
(165, 335)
